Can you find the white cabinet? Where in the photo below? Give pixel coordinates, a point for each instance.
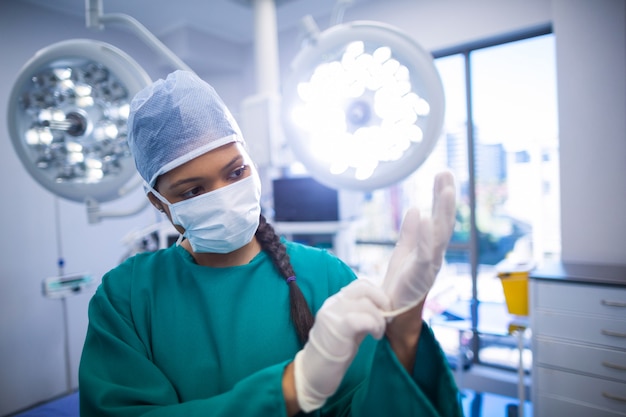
(579, 343)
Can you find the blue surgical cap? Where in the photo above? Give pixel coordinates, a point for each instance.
(175, 120)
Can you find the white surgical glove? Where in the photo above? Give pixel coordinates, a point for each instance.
(418, 254)
(340, 326)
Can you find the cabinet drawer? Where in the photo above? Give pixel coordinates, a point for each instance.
(582, 390)
(607, 363)
(588, 329)
(546, 406)
(583, 299)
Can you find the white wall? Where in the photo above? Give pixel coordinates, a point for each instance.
(591, 57)
(591, 78)
(32, 365)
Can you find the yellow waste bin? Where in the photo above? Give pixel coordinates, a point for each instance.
(514, 278)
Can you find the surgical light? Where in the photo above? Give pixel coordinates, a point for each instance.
(363, 105)
(67, 118)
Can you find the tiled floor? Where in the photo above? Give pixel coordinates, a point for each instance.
(66, 406)
(491, 405)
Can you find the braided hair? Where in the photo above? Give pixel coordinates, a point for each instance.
(300, 312)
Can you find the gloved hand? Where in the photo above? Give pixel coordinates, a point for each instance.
(340, 326)
(418, 254)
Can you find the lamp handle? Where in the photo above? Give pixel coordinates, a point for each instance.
(95, 19)
(94, 215)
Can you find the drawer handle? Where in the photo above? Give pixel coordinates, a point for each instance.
(612, 333)
(613, 303)
(614, 366)
(614, 397)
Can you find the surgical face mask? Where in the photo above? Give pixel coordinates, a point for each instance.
(220, 221)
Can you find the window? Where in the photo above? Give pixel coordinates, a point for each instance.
(500, 139)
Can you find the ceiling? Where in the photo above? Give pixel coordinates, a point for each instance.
(229, 20)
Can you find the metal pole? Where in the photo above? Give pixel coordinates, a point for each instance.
(268, 134)
(266, 47)
(66, 343)
(61, 270)
(521, 385)
(471, 164)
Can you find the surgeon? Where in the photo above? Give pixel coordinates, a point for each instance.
(233, 320)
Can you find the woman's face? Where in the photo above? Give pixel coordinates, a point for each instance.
(208, 172)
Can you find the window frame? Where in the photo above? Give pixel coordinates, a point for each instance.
(472, 245)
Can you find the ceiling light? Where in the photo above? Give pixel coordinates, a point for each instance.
(363, 105)
(67, 118)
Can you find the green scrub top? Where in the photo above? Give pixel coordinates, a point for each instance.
(168, 337)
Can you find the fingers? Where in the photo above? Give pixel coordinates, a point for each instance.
(444, 196)
(409, 231)
(444, 216)
(407, 242)
(442, 180)
(444, 209)
(425, 242)
(347, 317)
(364, 289)
(366, 322)
(443, 213)
(418, 255)
(364, 302)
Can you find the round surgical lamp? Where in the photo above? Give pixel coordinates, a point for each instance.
(67, 118)
(363, 105)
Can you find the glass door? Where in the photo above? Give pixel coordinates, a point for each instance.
(500, 140)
